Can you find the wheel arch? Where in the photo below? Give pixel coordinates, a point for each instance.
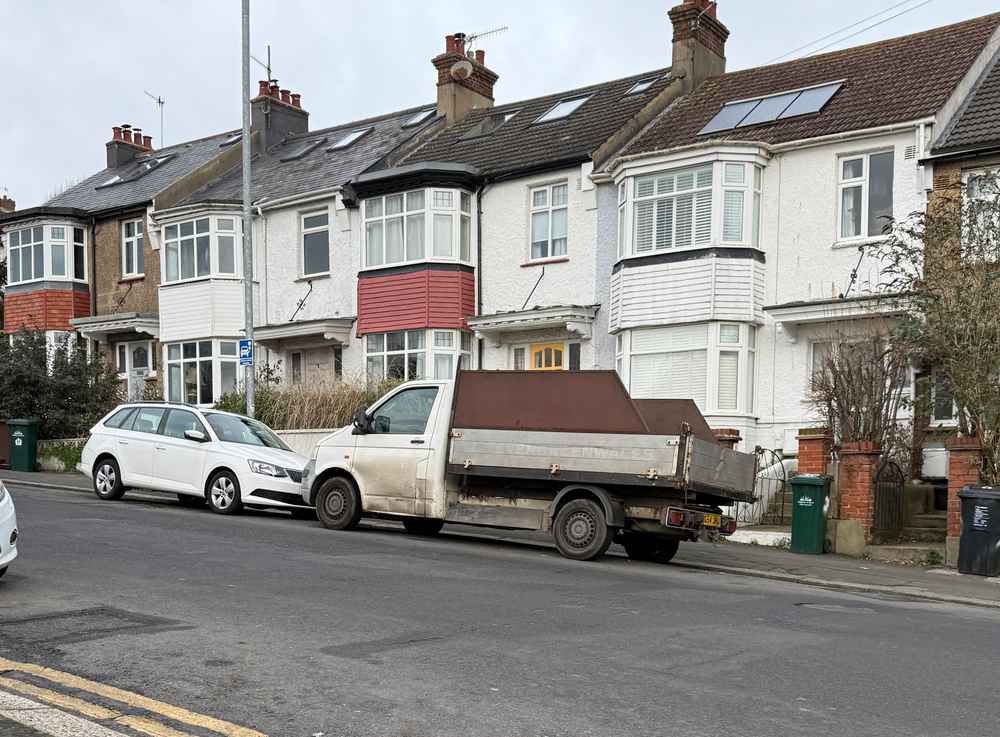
(329, 473)
(211, 475)
(104, 455)
(614, 510)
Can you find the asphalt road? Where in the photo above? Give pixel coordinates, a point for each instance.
(295, 630)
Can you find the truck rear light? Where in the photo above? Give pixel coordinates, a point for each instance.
(676, 517)
(729, 526)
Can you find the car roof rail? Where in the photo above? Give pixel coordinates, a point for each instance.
(164, 401)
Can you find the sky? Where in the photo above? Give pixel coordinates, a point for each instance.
(73, 69)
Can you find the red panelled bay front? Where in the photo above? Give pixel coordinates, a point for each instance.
(431, 296)
(44, 309)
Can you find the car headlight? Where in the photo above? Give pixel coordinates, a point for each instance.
(267, 469)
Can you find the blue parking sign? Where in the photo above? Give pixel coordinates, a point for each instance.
(246, 353)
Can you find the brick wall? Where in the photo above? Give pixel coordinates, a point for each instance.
(44, 309)
(858, 463)
(140, 295)
(814, 449)
(964, 462)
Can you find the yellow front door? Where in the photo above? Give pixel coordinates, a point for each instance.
(547, 357)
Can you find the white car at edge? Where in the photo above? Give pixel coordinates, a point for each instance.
(8, 530)
(199, 454)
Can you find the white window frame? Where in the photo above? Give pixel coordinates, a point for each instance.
(699, 238)
(224, 351)
(227, 225)
(310, 230)
(46, 237)
(550, 209)
(434, 347)
(134, 244)
(438, 203)
(864, 182)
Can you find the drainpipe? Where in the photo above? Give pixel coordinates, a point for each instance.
(92, 280)
(479, 262)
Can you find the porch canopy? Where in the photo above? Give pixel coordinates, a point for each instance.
(121, 324)
(305, 333)
(576, 320)
(791, 316)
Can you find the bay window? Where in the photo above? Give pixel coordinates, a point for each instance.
(199, 248)
(200, 372)
(865, 194)
(417, 354)
(718, 202)
(43, 252)
(710, 363)
(549, 221)
(132, 248)
(414, 226)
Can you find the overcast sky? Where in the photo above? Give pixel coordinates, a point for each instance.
(74, 69)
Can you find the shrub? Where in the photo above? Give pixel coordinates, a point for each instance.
(319, 405)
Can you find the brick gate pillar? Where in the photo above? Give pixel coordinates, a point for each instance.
(858, 463)
(964, 463)
(728, 437)
(814, 449)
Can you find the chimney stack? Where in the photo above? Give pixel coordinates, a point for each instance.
(277, 113)
(7, 204)
(126, 143)
(464, 83)
(699, 43)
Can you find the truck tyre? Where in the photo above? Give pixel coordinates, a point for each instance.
(422, 526)
(650, 548)
(581, 530)
(338, 504)
(108, 480)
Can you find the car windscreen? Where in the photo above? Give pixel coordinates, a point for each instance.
(243, 430)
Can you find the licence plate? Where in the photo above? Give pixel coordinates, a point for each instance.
(712, 520)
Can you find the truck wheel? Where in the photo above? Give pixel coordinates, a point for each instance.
(650, 548)
(581, 530)
(338, 504)
(422, 525)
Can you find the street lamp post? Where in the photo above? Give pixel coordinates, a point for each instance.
(250, 376)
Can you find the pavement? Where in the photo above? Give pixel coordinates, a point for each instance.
(763, 561)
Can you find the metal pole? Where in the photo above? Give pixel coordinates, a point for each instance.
(250, 376)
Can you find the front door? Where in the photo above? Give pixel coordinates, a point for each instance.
(179, 463)
(388, 461)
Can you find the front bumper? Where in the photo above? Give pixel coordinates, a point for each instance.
(307, 480)
(8, 530)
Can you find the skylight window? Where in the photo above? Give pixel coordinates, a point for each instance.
(641, 86)
(418, 118)
(231, 140)
(154, 161)
(114, 180)
(304, 149)
(771, 108)
(489, 124)
(348, 138)
(563, 109)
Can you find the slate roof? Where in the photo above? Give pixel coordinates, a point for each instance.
(138, 185)
(892, 81)
(977, 124)
(319, 169)
(521, 144)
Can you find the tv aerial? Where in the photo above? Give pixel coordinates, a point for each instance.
(160, 102)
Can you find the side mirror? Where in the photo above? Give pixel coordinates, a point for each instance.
(362, 423)
(196, 435)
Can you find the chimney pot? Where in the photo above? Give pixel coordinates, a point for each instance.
(481, 57)
(285, 97)
(449, 44)
(275, 93)
(460, 43)
(296, 99)
(126, 134)
(264, 87)
(147, 142)
(116, 133)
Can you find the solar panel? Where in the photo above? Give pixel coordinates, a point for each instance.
(729, 117)
(811, 100)
(769, 109)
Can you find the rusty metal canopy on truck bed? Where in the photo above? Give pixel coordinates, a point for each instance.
(566, 401)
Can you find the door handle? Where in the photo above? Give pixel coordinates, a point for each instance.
(122, 442)
(160, 447)
(417, 441)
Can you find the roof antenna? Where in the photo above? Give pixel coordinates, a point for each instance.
(160, 102)
(473, 37)
(266, 66)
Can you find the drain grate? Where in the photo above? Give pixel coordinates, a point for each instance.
(81, 625)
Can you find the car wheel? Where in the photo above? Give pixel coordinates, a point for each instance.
(190, 500)
(304, 514)
(650, 548)
(581, 530)
(338, 504)
(422, 525)
(224, 493)
(108, 480)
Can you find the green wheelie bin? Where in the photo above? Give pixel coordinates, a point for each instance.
(810, 493)
(23, 444)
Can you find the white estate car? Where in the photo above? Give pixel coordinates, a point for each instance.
(199, 454)
(8, 530)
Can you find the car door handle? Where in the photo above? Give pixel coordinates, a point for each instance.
(417, 441)
(160, 447)
(122, 442)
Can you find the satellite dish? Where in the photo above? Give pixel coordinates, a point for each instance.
(461, 69)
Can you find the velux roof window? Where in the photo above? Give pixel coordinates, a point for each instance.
(348, 138)
(640, 86)
(489, 124)
(742, 113)
(300, 151)
(417, 118)
(562, 109)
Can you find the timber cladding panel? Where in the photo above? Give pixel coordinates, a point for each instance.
(44, 309)
(134, 295)
(421, 298)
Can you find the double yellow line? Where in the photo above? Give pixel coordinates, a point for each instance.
(103, 714)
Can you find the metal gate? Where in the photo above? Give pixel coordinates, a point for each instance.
(889, 480)
(771, 505)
